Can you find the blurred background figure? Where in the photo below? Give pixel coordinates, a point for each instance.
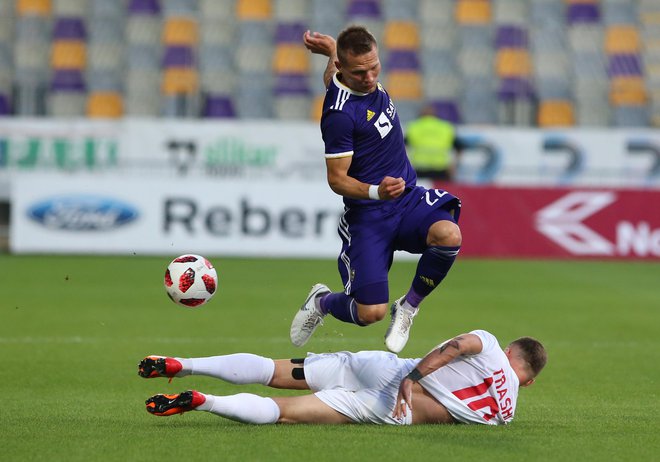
(433, 147)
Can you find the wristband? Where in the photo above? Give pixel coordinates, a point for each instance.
(415, 375)
(373, 192)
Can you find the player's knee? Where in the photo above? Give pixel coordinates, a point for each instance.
(444, 233)
(370, 314)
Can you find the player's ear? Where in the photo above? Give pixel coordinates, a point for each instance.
(528, 383)
(337, 64)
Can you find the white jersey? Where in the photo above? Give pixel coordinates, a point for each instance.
(481, 388)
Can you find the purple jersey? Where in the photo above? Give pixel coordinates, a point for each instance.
(366, 127)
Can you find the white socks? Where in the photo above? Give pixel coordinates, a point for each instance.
(243, 407)
(239, 368)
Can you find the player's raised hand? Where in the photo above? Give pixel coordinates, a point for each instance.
(320, 44)
(391, 188)
(403, 399)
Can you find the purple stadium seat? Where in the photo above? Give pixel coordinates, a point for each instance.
(403, 60)
(147, 7)
(218, 106)
(67, 80)
(582, 13)
(5, 107)
(447, 110)
(363, 9)
(290, 32)
(515, 89)
(511, 37)
(178, 56)
(624, 64)
(291, 84)
(69, 28)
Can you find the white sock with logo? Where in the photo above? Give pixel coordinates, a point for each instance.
(239, 368)
(243, 407)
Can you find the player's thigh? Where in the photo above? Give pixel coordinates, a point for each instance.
(367, 248)
(288, 374)
(307, 409)
(431, 206)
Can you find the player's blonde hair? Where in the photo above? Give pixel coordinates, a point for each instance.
(532, 352)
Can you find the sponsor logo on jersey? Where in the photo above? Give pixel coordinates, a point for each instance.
(370, 115)
(383, 125)
(81, 212)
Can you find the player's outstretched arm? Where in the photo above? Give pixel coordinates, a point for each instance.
(461, 345)
(325, 45)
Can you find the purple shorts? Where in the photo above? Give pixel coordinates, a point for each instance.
(370, 235)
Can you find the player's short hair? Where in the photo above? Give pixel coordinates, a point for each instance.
(356, 40)
(532, 352)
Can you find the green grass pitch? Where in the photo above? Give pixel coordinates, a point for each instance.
(72, 330)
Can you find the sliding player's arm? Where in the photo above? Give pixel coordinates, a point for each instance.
(461, 345)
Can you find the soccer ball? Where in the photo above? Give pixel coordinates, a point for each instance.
(190, 280)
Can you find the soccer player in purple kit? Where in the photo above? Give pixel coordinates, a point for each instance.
(384, 209)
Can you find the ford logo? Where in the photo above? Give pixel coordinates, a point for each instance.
(78, 212)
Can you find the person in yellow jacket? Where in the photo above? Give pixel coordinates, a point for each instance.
(433, 147)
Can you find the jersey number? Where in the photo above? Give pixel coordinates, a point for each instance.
(483, 400)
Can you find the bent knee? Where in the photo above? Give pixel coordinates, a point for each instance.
(370, 314)
(444, 233)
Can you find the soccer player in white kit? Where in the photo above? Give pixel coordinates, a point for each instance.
(467, 379)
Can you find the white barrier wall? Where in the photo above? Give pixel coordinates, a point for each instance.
(286, 150)
(259, 188)
(109, 214)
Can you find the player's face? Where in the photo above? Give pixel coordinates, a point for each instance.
(360, 73)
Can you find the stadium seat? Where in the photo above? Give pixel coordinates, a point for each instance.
(291, 10)
(179, 8)
(317, 107)
(555, 113)
(402, 60)
(434, 37)
(68, 54)
(107, 10)
(105, 105)
(218, 106)
(616, 12)
(582, 12)
(447, 110)
(401, 35)
(69, 28)
(624, 64)
(291, 59)
(622, 39)
(627, 91)
(442, 86)
(631, 116)
(511, 12)
(217, 9)
(400, 10)
(180, 31)
(143, 30)
(547, 13)
(142, 92)
(473, 11)
(404, 85)
(5, 105)
(363, 9)
(253, 10)
(144, 8)
(179, 80)
(512, 62)
(509, 36)
(33, 7)
(435, 13)
(69, 8)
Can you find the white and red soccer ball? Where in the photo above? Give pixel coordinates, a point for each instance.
(190, 280)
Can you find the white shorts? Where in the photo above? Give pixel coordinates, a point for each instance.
(362, 386)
